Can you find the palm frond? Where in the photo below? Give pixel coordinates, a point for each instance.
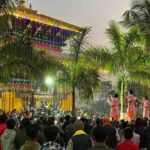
(78, 44)
(7, 6)
(89, 81)
(141, 77)
(115, 35)
(20, 54)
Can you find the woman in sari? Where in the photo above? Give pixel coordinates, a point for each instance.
(146, 106)
(114, 112)
(131, 113)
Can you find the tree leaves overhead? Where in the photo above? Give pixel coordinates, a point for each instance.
(19, 58)
(126, 58)
(139, 14)
(115, 35)
(78, 44)
(77, 73)
(7, 6)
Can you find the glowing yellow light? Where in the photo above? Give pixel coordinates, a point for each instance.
(49, 81)
(37, 18)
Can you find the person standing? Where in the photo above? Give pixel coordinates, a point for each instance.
(8, 137)
(52, 134)
(146, 106)
(100, 135)
(3, 127)
(21, 135)
(127, 144)
(32, 132)
(131, 107)
(80, 140)
(114, 112)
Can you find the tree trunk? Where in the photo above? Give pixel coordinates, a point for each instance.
(124, 94)
(73, 102)
(121, 98)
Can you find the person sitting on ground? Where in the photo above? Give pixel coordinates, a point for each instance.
(8, 137)
(80, 140)
(32, 132)
(51, 133)
(127, 144)
(99, 133)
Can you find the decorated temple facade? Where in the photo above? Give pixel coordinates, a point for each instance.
(46, 33)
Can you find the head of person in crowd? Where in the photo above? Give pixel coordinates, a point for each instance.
(51, 133)
(44, 120)
(83, 120)
(73, 119)
(106, 121)
(146, 98)
(51, 121)
(123, 124)
(128, 133)
(93, 123)
(131, 92)
(99, 134)
(98, 122)
(139, 121)
(40, 124)
(25, 123)
(61, 120)
(116, 124)
(67, 118)
(132, 126)
(145, 121)
(10, 123)
(116, 95)
(78, 125)
(3, 118)
(87, 121)
(32, 131)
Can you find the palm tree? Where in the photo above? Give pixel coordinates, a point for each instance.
(139, 14)
(76, 74)
(18, 57)
(6, 6)
(127, 59)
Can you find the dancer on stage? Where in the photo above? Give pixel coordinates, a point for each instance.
(146, 107)
(131, 112)
(114, 112)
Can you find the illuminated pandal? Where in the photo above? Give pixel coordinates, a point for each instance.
(48, 34)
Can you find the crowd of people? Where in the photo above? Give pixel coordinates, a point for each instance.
(72, 133)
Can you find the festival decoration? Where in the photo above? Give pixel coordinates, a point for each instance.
(46, 33)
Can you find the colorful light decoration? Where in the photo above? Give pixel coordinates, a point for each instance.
(46, 20)
(46, 33)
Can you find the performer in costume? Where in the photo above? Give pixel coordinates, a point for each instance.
(146, 106)
(114, 112)
(131, 113)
